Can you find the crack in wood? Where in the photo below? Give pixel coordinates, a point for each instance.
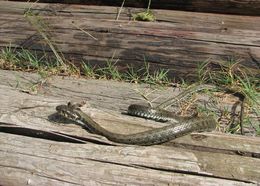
(48, 135)
(61, 137)
(214, 150)
(204, 174)
(53, 136)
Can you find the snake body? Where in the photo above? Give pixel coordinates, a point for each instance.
(150, 137)
(156, 114)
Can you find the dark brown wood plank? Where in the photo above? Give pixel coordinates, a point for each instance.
(178, 41)
(240, 7)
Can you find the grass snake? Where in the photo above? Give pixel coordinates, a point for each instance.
(150, 137)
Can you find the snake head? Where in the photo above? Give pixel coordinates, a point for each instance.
(69, 111)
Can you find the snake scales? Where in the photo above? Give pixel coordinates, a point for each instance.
(150, 137)
(184, 125)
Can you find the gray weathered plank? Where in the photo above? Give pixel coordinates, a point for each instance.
(25, 161)
(203, 158)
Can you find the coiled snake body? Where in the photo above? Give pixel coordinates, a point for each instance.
(150, 137)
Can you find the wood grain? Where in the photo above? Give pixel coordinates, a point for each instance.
(38, 158)
(240, 7)
(50, 163)
(178, 41)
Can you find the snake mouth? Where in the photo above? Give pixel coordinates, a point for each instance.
(66, 112)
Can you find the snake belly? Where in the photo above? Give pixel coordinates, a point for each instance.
(149, 137)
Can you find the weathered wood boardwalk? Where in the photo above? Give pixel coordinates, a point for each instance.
(178, 41)
(36, 148)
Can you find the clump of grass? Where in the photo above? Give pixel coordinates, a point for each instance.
(20, 60)
(147, 15)
(88, 70)
(8, 59)
(232, 75)
(155, 77)
(130, 74)
(144, 16)
(30, 61)
(110, 71)
(236, 78)
(146, 75)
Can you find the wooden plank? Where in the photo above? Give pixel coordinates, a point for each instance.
(241, 7)
(26, 161)
(204, 161)
(177, 42)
